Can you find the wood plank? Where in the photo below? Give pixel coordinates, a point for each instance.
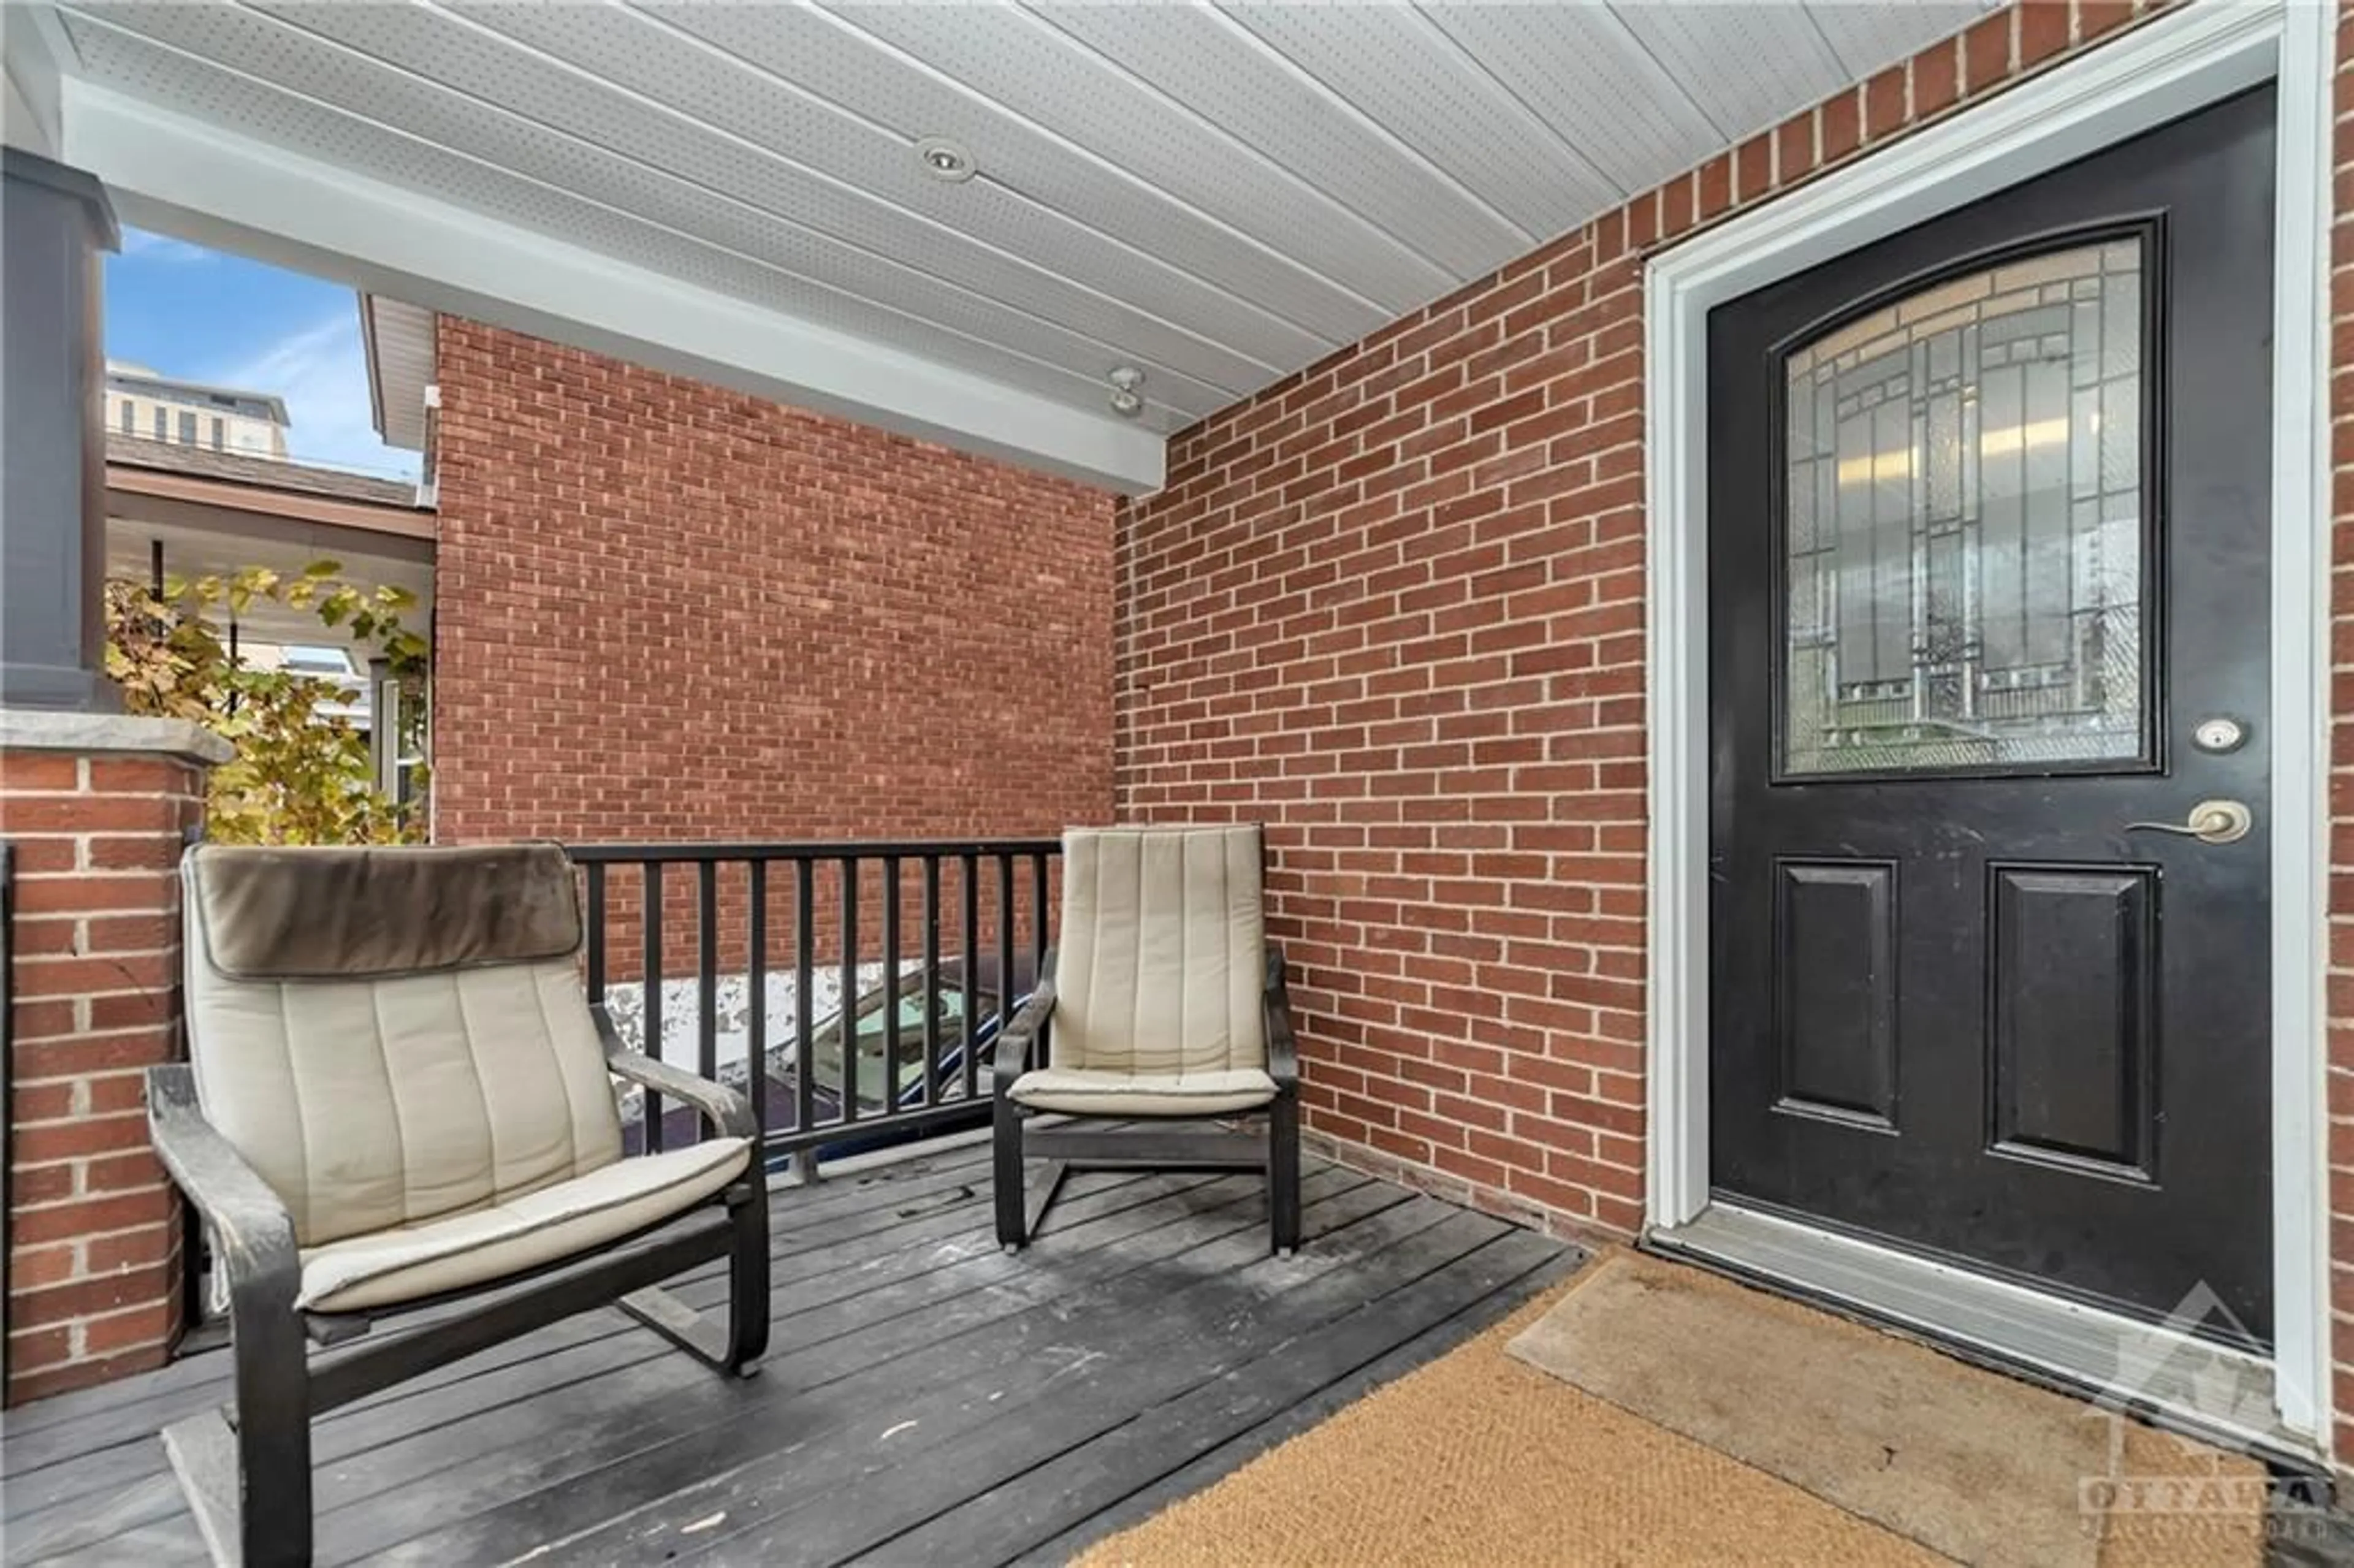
(62, 1501)
(169, 1544)
(115, 1514)
(348, 1434)
(1265, 1400)
(595, 1438)
(1238, 1451)
(1085, 1353)
(792, 1209)
(859, 1288)
(575, 1347)
(637, 1489)
(552, 1443)
(802, 1220)
(1418, 1281)
(843, 1257)
(1162, 1147)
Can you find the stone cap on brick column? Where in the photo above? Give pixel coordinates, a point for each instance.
(45, 729)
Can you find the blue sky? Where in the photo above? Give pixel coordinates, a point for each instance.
(207, 316)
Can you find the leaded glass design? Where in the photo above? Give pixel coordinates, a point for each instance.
(1964, 529)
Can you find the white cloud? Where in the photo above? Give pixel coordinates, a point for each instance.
(322, 373)
(152, 247)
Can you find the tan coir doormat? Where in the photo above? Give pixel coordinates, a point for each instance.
(1481, 1459)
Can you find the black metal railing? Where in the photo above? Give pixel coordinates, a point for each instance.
(818, 911)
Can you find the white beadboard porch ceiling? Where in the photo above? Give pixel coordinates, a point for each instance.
(1217, 194)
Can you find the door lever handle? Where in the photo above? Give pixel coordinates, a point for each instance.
(2210, 822)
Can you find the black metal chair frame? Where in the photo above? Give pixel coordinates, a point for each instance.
(246, 1468)
(1275, 1148)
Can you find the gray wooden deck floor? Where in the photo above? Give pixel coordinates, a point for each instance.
(927, 1398)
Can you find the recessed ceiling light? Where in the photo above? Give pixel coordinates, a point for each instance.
(945, 160)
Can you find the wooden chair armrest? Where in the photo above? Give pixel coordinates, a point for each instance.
(252, 1232)
(1014, 1044)
(729, 1113)
(1282, 1044)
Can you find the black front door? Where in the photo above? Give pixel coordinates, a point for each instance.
(1988, 531)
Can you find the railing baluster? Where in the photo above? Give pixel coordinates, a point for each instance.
(931, 979)
(1004, 940)
(1038, 947)
(890, 983)
(797, 1130)
(804, 978)
(706, 976)
(651, 923)
(970, 942)
(846, 1025)
(596, 931)
(756, 991)
(1038, 909)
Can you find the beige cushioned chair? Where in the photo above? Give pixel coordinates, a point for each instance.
(1162, 1000)
(397, 1093)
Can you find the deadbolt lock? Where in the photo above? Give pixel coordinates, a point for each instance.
(2219, 734)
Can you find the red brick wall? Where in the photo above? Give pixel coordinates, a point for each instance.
(1393, 608)
(94, 1236)
(668, 612)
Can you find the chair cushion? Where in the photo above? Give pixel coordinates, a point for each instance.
(1162, 952)
(369, 1105)
(344, 912)
(372, 1097)
(1080, 1091)
(541, 1227)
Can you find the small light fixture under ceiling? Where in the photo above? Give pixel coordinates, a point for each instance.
(1125, 400)
(945, 160)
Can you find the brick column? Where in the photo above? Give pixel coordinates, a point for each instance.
(96, 809)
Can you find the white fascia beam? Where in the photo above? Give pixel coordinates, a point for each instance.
(183, 176)
(29, 82)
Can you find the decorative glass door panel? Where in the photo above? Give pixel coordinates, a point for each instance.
(1965, 528)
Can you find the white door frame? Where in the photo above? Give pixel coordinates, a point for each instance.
(2161, 71)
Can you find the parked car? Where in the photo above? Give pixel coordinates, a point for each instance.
(780, 1080)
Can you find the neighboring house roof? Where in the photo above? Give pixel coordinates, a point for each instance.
(122, 371)
(398, 339)
(260, 472)
(194, 512)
